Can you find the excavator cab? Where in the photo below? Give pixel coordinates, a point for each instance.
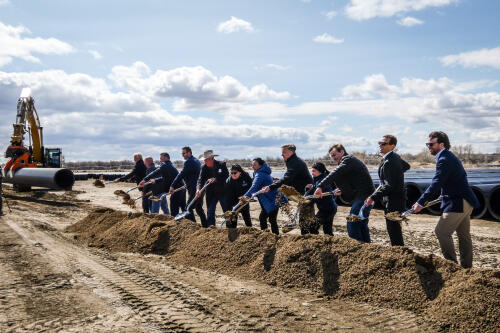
(52, 157)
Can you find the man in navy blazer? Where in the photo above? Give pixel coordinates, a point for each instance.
(458, 200)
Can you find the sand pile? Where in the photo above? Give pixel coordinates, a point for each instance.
(451, 297)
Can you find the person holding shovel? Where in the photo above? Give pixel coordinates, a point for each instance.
(138, 172)
(352, 177)
(236, 186)
(269, 209)
(297, 176)
(215, 172)
(458, 200)
(189, 174)
(327, 207)
(146, 203)
(392, 190)
(165, 174)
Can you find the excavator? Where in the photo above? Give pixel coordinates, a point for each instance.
(33, 165)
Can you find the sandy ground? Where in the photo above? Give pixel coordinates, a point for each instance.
(52, 283)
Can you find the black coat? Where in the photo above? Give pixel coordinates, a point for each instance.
(157, 187)
(167, 172)
(138, 172)
(392, 191)
(237, 188)
(351, 177)
(219, 172)
(297, 175)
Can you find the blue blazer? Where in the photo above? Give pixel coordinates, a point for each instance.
(451, 181)
(190, 172)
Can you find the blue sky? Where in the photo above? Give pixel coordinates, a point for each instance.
(244, 77)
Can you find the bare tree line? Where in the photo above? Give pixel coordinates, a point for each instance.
(465, 152)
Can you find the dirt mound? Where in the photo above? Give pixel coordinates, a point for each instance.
(120, 231)
(394, 277)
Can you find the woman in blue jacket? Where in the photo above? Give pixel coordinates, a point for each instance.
(262, 177)
(327, 208)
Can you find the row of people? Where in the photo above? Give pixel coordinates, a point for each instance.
(350, 178)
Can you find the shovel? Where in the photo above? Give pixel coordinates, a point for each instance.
(361, 217)
(137, 198)
(182, 215)
(155, 198)
(133, 188)
(230, 215)
(396, 216)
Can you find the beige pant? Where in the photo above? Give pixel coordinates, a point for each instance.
(459, 222)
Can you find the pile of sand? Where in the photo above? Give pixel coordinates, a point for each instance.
(394, 277)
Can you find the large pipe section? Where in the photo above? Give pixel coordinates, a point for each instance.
(53, 178)
(494, 202)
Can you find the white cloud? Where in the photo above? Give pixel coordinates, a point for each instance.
(195, 87)
(330, 15)
(328, 39)
(95, 54)
(93, 118)
(273, 66)
(473, 59)
(235, 25)
(14, 45)
(409, 21)
(367, 9)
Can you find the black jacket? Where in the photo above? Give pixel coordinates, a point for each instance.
(138, 172)
(297, 175)
(392, 191)
(220, 172)
(236, 188)
(351, 177)
(167, 172)
(157, 187)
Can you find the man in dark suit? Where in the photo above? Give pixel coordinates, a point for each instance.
(458, 200)
(297, 175)
(352, 178)
(391, 191)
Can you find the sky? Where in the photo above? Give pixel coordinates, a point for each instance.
(111, 78)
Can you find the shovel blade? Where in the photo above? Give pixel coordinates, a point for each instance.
(181, 216)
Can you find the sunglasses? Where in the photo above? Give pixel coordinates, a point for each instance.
(234, 172)
(430, 144)
(380, 143)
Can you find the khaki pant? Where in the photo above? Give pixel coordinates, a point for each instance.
(459, 222)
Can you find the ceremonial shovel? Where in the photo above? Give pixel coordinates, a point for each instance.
(395, 216)
(231, 215)
(182, 215)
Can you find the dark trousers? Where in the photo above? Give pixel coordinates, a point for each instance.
(395, 232)
(212, 200)
(245, 212)
(177, 202)
(198, 206)
(359, 230)
(325, 218)
(272, 216)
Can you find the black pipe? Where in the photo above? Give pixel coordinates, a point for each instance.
(494, 202)
(479, 212)
(53, 178)
(413, 192)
